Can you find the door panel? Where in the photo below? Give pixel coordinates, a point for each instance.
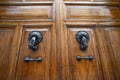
(109, 39)
(23, 0)
(74, 12)
(5, 47)
(42, 12)
(83, 69)
(10, 0)
(92, 0)
(114, 39)
(34, 70)
(37, 0)
(104, 0)
(76, 0)
(9, 43)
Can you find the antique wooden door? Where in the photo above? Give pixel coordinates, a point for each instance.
(59, 39)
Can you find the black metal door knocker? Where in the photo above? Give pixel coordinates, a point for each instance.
(35, 37)
(83, 38)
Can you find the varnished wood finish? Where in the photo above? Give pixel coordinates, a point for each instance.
(79, 12)
(35, 70)
(92, 0)
(26, 13)
(5, 48)
(83, 69)
(59, 21)
(87, 16)
(109, 41)
(9, 53)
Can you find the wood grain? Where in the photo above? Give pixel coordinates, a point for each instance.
(9, 50)
(26, 12)
(10, 0)
(92, 0)
(109, 61)
(34, 70)
(5, 47)
(113, 35)
(84, 69)
(91, 12)
(59, 21)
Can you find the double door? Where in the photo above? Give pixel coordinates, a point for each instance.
(59, 40)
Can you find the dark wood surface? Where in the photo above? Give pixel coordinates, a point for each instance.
(83, 69)
(109, 52)
(59, 21)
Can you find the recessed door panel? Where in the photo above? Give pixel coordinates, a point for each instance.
(74, 12)
(83, 68)
(77, 0)
(6, 40)
(5, 47)
(105, 0)
(10, 0)
(35, 70)
(37, 0)
(42, 12)
(109, 40)
(114, 38)
(93, 0)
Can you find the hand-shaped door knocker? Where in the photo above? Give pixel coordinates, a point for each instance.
(83, 38)
(35, 37)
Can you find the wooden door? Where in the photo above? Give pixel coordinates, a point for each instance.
(98, 18)
(19, 19)
(59, 55)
